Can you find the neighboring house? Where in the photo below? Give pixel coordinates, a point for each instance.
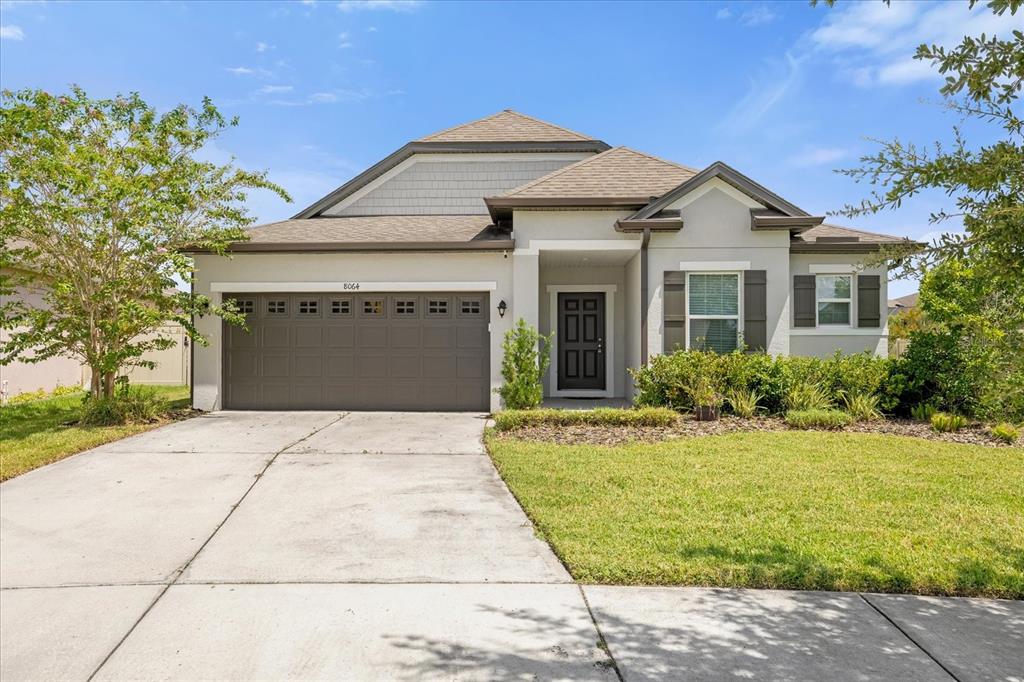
(395, 290)
(903, 303)
(21, 377)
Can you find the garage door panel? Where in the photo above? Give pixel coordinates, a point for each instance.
(396, 351)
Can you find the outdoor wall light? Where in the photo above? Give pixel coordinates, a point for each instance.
(502, 307)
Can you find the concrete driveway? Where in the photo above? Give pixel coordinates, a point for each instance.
(385, 546)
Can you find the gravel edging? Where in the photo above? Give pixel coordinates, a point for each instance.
(687, 427)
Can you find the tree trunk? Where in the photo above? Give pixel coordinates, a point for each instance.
(95, 382)
(108, 384)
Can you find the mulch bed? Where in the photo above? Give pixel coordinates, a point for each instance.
(686, 427)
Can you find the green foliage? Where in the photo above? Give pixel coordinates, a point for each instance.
(807, 396)
(937, 369)
(666, 381)
(525, 358)
(41, 394)
(818, 419)
(128, 405)
(1006, 432)
(100, 200)
(862, 407)
(508, 420)
(703, 391)
(743, 403)
(922, 412)
(945, 422)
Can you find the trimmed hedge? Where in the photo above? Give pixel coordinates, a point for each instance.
(508, 420)
(818, 419)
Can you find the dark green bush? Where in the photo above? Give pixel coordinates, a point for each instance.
(507, 420)
(936, 369)
(818, 419)
(129, 405)
(525, 357)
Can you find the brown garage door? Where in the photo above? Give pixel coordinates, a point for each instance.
(412, 351)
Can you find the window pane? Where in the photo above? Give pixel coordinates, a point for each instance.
(714, 294)
(833, 286)
(716, 335)
(833, 313)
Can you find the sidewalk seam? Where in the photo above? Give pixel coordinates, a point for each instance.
(601, 641)
(181, 571)
(913, 641)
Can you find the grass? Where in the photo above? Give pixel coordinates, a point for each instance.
(815, 510)
(36, 433)
(507, 420)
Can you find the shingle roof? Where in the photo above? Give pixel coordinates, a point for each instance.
(376, 230)
(618, 172)
(834, 233)
(506, 126)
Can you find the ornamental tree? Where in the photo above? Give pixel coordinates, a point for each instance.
(98, 199)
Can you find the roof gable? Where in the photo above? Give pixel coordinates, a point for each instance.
(730, 175)
(507, 126)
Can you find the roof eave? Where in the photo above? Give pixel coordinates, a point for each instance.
(795, 224)
(350, 247)
(673, 224)
(387, 163)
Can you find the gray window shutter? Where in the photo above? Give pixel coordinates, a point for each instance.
(868, 301)
(755, 310)
(803, 301)
(674, 300)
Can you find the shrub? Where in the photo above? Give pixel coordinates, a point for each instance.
(1005, 432)
(508, 420)
(525, 358)
(947, 423)
(743, 403)
(27, 397)
(936, 368)
(818, 419)
(807, 396)
(703, 392)
(922, 412)
(129, 405)
(862, 406)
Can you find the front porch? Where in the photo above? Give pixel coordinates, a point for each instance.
(587, 293)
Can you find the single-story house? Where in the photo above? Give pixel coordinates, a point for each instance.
(395, 290)
(903, 303)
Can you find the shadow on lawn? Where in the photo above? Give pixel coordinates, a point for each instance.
(667, 633)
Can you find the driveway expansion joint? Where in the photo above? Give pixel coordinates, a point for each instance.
(181, 570)
(906, 634)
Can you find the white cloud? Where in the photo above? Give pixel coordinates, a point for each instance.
(263, 47)
(248, 71)
(778, 80)
(343, 41)
(371, 29)
(389, 5)
(907, 71)
(723, 13)
(817, 156)
(274, 89)
(757, 15)
(11, 32)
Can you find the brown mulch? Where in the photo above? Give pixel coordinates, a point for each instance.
(687, 427)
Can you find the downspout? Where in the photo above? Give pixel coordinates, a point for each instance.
(191, 342)
(643, 296)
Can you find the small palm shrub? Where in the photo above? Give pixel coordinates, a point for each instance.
(947, 423)
(807, 395)
(525, 358)
(743, 403)
(818, 419)
(1005, 432)
(862, 407)
(922, 412)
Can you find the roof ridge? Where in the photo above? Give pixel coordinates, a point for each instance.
(552, 125)
(859, 231)
(560, 171)
(665, 161)
(426, 138)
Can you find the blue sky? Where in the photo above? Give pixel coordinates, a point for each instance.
(780, 90)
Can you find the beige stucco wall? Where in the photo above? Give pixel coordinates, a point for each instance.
(366, 269)
(824, 341)
(716, 229)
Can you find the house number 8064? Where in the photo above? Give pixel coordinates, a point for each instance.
(351, 286)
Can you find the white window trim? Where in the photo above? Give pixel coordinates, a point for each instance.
(834, 325)
(609, 339)
(739, 304)
(714, 267)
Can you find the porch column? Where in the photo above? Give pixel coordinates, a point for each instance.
(525, 286)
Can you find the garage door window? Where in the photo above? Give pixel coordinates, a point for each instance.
(373, 307)
(437, 307)
(277, 307)
(469, 307)
(309, 307)
(245, 306)
(405, 307)
(341, 307)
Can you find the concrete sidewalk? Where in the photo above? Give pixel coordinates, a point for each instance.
(271, 546)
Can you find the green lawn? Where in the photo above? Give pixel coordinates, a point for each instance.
(828, 511)
(34, 434)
